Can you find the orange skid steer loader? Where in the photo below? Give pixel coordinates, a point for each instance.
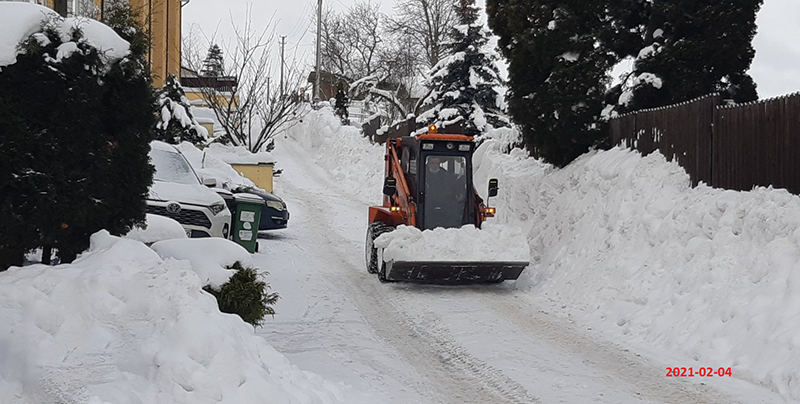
(429, 184)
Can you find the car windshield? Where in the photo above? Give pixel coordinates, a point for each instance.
(172, 167)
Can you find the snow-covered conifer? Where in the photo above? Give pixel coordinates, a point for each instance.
(176, 123)
(75, 155)
(463, 85)
(213, 64)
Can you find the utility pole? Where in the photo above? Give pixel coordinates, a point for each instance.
(319, 35)
(283, 45)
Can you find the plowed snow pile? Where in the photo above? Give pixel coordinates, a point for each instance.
(346, 156)
(627, 246)
(121, 325)
(491, 243)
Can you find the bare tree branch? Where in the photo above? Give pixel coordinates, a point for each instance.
(254, 110)
(426, 23)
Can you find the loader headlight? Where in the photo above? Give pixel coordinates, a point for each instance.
(217, 208)
(394, 209)
(427, 146)
(277, 205)
(463, 147)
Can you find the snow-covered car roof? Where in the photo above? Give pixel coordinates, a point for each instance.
(159, 145)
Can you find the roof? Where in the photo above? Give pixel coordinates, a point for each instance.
(159, 145)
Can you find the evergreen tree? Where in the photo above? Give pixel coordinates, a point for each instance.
(557, 73)
(177, 123)
(124, 20)
(340, 106)
(693, 48)
(213, 64)
(79, 128)
(462, 85)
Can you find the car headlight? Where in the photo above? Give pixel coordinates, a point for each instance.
(278, 205)
(217, 208)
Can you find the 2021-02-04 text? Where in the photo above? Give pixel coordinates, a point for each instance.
(701, 372)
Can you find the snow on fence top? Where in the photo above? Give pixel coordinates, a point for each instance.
(19, 20)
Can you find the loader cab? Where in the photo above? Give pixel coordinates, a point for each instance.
(438, 169)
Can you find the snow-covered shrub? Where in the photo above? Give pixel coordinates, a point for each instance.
(226, 271)
(462, 86)
(245, 295)
(75, 155)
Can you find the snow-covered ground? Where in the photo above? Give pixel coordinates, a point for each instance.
(633, 272)
(122, 325)
(623, 243)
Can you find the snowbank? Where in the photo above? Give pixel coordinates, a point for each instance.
(209, 257)
(627, 246)
(19, 20)
(347, 156)
(157, 228)
(121, 325)
(491, 243)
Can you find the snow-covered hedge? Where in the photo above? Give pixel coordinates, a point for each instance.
(122, 325)
(20, 20)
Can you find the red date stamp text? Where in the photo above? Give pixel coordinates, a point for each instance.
(698, 372)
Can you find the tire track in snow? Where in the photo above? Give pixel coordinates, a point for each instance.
(451, 371)
(459, 357)
(635, 373)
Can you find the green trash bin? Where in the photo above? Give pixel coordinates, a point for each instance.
(246, 220)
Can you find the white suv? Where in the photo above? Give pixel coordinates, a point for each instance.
(177, 193)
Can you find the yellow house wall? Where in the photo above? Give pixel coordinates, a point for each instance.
(260, 174)
(209, 128)
(162, 18)
(193, 95)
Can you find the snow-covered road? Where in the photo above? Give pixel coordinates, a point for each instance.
(404, 343)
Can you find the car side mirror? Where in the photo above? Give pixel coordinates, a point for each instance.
(210, 182)
(389, 186)
(492, 187)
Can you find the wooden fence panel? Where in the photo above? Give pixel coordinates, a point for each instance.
(681, 132)
(758, 144)
(733, 147)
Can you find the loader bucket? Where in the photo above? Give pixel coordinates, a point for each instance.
(453, 271)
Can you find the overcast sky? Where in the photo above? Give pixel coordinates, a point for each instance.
(776, 68)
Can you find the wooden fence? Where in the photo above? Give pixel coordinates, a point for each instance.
(726, 146)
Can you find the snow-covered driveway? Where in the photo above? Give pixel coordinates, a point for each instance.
(406, 343)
